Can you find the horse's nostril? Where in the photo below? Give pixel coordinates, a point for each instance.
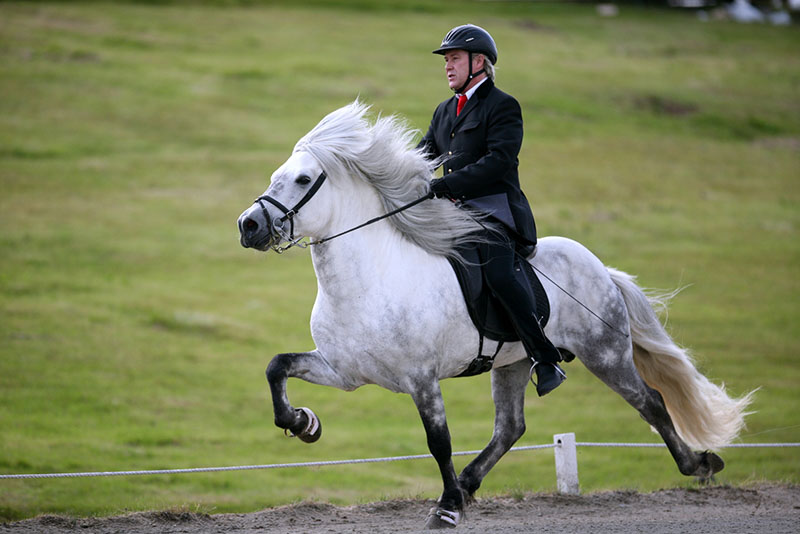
(249, 225)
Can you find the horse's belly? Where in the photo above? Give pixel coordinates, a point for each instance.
(392, 338)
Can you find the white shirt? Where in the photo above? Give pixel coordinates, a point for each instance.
(474, 88)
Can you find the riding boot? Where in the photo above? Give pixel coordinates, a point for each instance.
(520, 303)
(548, 377)
(543, 354)
(545, 358)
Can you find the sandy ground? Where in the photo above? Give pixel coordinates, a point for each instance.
(773, 509)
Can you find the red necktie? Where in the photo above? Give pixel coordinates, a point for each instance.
(461, 101)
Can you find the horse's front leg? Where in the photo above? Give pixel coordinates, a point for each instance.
(311, 367)
(428, 399)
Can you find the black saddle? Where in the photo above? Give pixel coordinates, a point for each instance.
(485, 310)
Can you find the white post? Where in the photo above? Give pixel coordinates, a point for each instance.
(566, 463)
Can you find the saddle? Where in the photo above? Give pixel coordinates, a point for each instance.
(485, 310)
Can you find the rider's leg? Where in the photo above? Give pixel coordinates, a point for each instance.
(498, 258)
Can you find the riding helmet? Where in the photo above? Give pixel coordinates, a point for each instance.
(470, 38)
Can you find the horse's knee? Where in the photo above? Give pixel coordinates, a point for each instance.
(517, 428)
(286, 416)
(509, 423)
(509, 433)
(519, 431)
(277, 369)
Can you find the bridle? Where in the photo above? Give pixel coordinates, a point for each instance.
(288, 215)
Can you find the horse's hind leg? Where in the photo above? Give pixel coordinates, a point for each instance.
(311, 367)
(508, 391)
(622, 377)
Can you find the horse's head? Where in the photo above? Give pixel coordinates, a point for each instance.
(374, 171)
(273, 218)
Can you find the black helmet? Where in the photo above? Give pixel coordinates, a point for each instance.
(471, 38)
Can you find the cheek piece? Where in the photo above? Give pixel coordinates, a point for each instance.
(288, 214)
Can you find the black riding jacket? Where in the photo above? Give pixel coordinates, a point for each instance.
(480, 148)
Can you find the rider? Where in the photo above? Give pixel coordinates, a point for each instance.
(479, 135)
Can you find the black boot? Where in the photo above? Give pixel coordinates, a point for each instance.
(548, 377)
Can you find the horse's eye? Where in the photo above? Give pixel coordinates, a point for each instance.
(303, 180)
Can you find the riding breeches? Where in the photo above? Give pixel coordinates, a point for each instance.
(497, 256)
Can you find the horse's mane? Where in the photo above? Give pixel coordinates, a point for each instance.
(382, 154)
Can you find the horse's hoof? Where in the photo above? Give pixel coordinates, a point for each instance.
(313, 430)
(715, 463)
(711, 464)
(439, 518)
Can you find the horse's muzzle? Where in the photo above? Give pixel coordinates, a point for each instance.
(255, 231)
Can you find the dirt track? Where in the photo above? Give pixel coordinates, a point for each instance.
(773, 509)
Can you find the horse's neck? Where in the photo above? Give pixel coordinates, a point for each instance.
(337, 261)
(373, 260)
(362, 260)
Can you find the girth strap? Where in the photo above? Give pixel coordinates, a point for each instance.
(483, 362)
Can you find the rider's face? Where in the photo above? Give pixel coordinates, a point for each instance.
(456, 67)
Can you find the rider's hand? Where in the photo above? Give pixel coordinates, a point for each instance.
(439, 188)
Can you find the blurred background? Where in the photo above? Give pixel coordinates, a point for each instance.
(134, 329)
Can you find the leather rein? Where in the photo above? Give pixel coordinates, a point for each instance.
(288, 215)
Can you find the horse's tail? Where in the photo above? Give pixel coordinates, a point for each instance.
(703, 414)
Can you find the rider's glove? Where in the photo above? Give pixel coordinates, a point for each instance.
(439, 188)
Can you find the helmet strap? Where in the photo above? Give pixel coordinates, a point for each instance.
(470, 76)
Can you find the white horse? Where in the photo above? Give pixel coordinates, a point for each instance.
(389, 310)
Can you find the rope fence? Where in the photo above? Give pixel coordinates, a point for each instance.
(662, 445)
(564, 445)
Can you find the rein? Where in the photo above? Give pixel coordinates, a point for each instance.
(376, 219)
(288, 215)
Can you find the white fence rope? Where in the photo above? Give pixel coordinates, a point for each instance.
(731, 446)
(346, 462)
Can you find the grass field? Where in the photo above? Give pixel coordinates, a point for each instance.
(134, 330)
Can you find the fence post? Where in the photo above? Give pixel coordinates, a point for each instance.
(566, 456)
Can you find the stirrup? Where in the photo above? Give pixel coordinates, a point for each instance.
(558, 371)
(533, 368)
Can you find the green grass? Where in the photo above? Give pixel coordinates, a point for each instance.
(134, 330)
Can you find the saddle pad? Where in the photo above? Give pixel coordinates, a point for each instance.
(485, 310)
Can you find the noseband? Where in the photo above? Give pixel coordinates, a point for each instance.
(288, 214)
